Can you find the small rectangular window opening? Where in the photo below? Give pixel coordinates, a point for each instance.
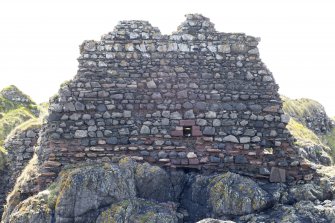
(187, 131)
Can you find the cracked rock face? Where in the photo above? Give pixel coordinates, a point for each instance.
(231, 194)
(136, 192)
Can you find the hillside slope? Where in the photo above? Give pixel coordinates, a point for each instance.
(313, 130)
(15, 108)
(308, 112)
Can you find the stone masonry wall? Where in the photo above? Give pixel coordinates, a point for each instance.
(20, 149)
(195, 99)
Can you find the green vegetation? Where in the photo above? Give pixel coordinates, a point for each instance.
(7, 104)
(12, 119)
(54, 189)
(329, 139)
(302, 133)
(2, 158)
(299, 108)
(17, 112)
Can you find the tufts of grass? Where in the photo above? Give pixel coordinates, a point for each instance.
(54, 190)
(12, 119)
(300, 108)
(329, 140)
(8, 105)
(302, 133)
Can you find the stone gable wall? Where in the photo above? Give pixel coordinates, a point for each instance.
(137, 90)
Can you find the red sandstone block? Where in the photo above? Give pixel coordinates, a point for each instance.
(48, 174)
(187, 122)
(196, 127)
(285, 145)
(149, 159)
(196, 132)
(234, 152)
(305, 165)
(193, 161)
(238, 147)
(211, 150)
(208, 139)
(200, 148)
(50, 163)
(177, 133)
(175, 161)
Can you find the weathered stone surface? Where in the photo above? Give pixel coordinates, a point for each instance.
(145, 130)
(230, 138)
(106, 186)
(229, 192)
(138, 210)
(141, 191)
(80, 134)
(277, 175)
(209, 130)
(152, 182)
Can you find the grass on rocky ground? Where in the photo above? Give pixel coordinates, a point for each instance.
(2, 158)
(299, 108)
(302, 133)
(12, 119)
(329, 140)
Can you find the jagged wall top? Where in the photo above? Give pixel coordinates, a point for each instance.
(195, 29)
(196, 23)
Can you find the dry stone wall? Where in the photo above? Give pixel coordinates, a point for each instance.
(196, 99)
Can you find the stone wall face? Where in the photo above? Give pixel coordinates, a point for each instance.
(20, 149)
(195, 99)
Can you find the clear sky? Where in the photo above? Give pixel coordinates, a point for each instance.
(39, 39)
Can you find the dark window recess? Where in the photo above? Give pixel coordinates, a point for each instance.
(187, 131)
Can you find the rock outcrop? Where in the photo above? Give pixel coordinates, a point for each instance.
(108, 192)
(310, 113)
(312, 129)
(15, 109)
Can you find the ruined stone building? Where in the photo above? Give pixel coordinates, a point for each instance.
(196, 99)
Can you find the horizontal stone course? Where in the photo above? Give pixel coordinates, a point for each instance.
(137, 91)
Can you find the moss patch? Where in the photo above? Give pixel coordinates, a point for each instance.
(115, 212)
